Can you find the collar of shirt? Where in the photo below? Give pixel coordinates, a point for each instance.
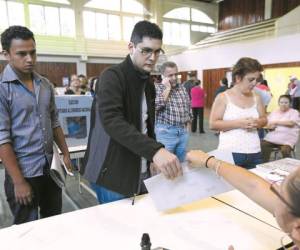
(141, 73)
(9, 75)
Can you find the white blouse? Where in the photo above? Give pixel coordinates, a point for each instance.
(239, 140)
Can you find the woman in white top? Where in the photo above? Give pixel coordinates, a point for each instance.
(238, 113)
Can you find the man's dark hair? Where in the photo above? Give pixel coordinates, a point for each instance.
(15, 32)
(265, 82)
(224, 81)
(145, 29)
(167, 65)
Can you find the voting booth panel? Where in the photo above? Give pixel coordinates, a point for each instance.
(74, 117)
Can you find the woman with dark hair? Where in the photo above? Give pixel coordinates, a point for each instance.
(284, 129)
(92, 85)
(238, 113)
(283, 200)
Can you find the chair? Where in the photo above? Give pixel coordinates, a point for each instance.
(276, 152)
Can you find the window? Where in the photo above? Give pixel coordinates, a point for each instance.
(203, 28)
(132, 6)
(112, 20)
(58, 1)
(201, 17)
(12, 13)
(104, 4)
(128, 24)
(180, 13)
(176, 33)
(67, 22)
(101, 26)
(46, 20)
(178, 24)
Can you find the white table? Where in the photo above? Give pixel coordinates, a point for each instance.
(241, 202)
(207, 224)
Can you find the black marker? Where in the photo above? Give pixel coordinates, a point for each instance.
(145, 243)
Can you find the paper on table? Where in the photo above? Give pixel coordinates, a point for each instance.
(195, 184)
(58, 169)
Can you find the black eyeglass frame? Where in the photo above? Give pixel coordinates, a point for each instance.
(292, 209)
(149, 52)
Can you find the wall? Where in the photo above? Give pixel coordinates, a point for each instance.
(212, 61)
(281, 7)
(67, 65)
(268, 51)
(237, 13)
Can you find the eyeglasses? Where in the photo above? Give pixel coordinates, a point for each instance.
(149, 52)
(286, 243)
(293, 210)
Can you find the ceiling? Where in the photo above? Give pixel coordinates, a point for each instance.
(208, 1)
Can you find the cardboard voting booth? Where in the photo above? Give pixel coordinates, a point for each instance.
(74, 117)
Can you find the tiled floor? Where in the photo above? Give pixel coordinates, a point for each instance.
(73, 200)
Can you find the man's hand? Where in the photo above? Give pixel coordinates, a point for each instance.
(153, 169)
(167, 163)
(167, 83)
(188, 126)
(68, 163)
(23, 193)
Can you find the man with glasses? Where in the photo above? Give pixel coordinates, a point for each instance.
(173, 112)
(122, 141)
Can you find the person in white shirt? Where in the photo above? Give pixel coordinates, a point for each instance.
(238, 113)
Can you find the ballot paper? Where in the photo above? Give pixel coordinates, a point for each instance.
(195, 184)
(58, 170)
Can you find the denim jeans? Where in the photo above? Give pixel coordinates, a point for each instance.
(105, 195)
(247, 161)
(174, 138)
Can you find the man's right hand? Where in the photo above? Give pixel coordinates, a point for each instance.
(167, 163)
(166, 82)
(23, 193)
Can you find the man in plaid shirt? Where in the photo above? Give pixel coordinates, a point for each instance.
(173, 112)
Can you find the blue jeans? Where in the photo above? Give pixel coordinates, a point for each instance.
(174, 138)
(105, 195)
(247, 161)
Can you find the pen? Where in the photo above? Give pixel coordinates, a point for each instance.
(132, 203)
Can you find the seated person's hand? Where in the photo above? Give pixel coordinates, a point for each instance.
(271, 126)
(196, 158)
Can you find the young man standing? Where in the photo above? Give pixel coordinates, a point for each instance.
(28, 125)
(122, 141)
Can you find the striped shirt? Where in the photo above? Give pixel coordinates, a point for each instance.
(27, 120)
(176, 111)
